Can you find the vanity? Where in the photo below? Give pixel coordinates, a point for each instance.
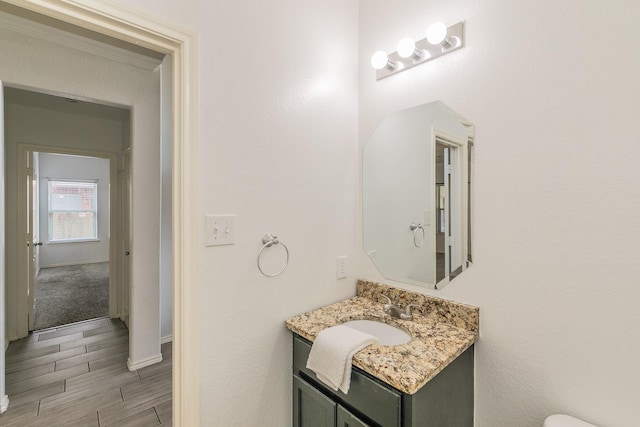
(425, 382)
(417, 187)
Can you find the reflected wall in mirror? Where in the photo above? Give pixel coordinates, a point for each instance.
(417, 168)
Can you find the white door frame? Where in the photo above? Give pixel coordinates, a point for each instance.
(131, 26)
(4, 399)
(24, 282)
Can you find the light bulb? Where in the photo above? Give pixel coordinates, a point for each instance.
(406, 47)
(436, 33)
(379, 60)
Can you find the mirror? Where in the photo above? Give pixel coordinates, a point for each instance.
(417, 168)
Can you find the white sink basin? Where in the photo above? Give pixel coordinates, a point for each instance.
(386, 334)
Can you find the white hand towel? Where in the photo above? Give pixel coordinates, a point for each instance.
(331, 353)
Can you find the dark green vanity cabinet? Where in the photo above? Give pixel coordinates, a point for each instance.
(347, 419)
(445, 401)
(312, 408)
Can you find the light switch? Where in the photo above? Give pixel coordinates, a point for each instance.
(220, 230)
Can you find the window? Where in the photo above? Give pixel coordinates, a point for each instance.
(73, 211)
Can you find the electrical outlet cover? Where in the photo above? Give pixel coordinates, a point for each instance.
(341, 267)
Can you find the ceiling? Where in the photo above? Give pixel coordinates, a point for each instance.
(29, 98)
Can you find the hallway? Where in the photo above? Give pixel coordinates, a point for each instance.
(76, 375)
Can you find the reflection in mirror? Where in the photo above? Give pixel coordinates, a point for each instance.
(417, 195)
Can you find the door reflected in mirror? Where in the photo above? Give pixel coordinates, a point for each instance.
(417, 195)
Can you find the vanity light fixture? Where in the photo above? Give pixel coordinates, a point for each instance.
(439, 41)
(380, 61)
(437, 33)
(407, 49)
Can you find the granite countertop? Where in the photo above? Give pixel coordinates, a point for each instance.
(442, 333)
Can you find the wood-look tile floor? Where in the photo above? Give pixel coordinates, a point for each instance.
(77, 375)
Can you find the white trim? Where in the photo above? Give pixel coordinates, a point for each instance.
(132, 26)
(50, 211)
(67, 264)
(168, 338)
(4, 404)
(62, 242)
(144, 362)
(39, 31)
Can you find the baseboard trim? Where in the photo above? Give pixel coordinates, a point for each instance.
(125, 320)
(134, 366)
(168, 338)
(69, 264)
(4, 404)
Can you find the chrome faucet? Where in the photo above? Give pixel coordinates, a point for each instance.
(397, 312)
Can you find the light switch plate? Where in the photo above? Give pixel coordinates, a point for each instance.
(220, 230)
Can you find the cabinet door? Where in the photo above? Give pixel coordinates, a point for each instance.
(378, 402)
(310, 407)
(347, 419)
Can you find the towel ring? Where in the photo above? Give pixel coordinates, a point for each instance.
(269, 240)
(415, 227)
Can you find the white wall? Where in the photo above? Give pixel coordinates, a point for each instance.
(69, 71)
(53, 167)
(555, 102)
(278, 149)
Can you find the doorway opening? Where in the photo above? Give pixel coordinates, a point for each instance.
(125, 25)
(69, 221)
(59, 189)
(68, 156)
(448, 206)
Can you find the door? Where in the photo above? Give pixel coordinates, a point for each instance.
(447, 210)
(126, 236)
(310, 407)
(32, 238)
(454, 207)
(347, 419)
(449, 235)
(31, 159)
(35, 184)
(443, 220)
